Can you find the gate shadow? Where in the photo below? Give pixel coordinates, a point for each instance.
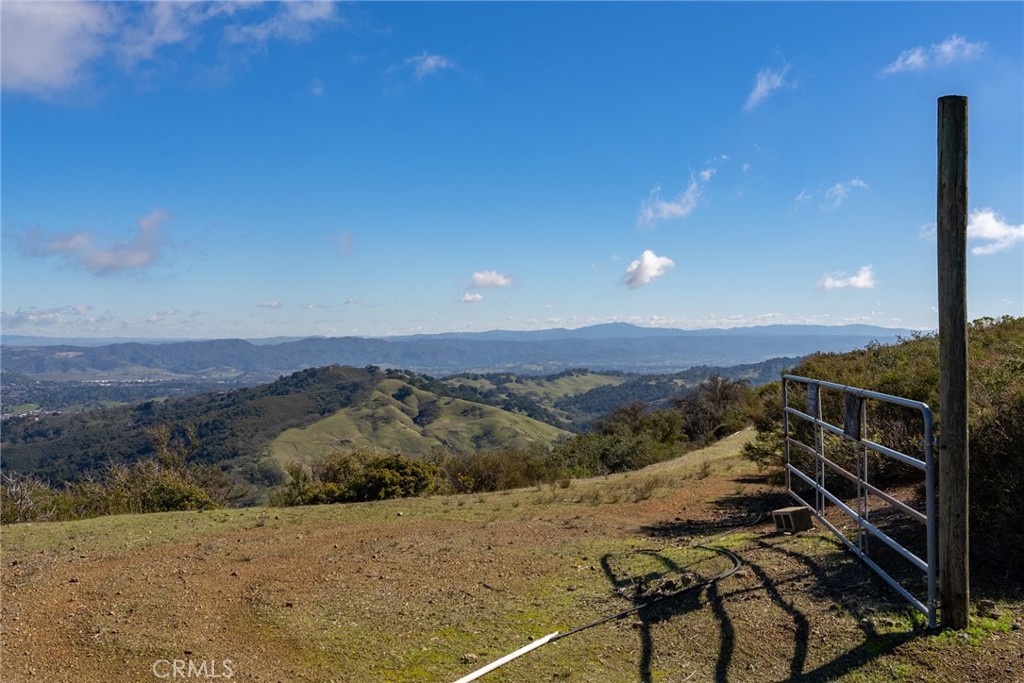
(833, 583)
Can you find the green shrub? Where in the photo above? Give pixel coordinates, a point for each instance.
(349, 476)
(499, 470)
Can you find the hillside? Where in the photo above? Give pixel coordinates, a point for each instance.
(414, 422)
(430, 589)
(233, 427)
(575, 398)
(309, 413)
(251, 432)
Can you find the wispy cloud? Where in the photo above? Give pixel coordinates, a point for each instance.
(293, 21)
(998, 235)
(952, 50)
(80, 248)
(317, 87)
(646, 269)
(272, 305)
(162, 315)
(420, 66)
(836, 195)
(491, 278)
(426, 64)
(654, 208)
(767, 81)
(864, 279)
(51, 47)
(909, 60)
(472, 298)
(345, 243)
(32, 316)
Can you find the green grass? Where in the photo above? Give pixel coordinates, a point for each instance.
(359, 635)
(570, 385)
(384, 422)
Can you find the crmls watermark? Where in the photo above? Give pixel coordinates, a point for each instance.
(208, 669)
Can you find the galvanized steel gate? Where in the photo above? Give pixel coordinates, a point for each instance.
(853, 430)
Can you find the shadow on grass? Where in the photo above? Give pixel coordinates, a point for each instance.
(845, 582)
(662, 610)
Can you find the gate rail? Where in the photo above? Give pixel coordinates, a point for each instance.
(855, 419)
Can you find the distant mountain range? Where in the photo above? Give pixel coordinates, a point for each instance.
(615, 346)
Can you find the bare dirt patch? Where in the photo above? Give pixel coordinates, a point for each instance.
(431, 589)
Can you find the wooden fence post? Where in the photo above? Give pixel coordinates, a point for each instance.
(954, 567)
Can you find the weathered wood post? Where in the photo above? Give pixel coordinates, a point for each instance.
(954, 568)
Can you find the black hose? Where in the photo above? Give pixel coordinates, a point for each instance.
(737, 563)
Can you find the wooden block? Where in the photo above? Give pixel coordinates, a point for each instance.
(797, 518)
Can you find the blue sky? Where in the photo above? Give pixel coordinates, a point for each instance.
(262, 169)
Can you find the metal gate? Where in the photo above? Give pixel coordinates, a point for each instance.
(854, 429)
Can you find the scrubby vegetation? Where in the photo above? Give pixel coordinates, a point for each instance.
(911, 369)
(233, 427)
(164, 483)
(629, 437)
(350, 476)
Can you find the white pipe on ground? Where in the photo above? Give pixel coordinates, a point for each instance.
(507, 658)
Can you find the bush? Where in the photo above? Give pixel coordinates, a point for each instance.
(499, 470)
(349, 476)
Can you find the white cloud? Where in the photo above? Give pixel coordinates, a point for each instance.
(46, 46)
(767, 82)
(472, 298)
(425, 64)
(654, 208)
(272, 305)
(803, 197)
(864, 279)
(32, 316)
(645, 269)
(161, 315)
(49, 47)
(80, 248)
(293, 21)
(491, 278)
(954, 49)
(909, 60)
(985, 225)
(838, 193)
(317, 88)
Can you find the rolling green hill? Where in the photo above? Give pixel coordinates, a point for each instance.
(574, 398)
(397, 416)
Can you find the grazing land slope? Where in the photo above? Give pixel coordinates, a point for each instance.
(430, 589)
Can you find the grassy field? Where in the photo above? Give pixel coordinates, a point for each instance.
(388, 423)
(430, 589)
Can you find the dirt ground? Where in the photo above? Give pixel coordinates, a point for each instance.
(432, 589)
